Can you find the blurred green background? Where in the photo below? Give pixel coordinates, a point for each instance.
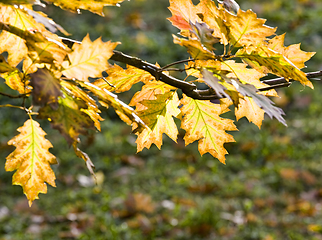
(269, 189)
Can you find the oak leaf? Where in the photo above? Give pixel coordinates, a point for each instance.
(149, 92)
(121, 80)
(195, 48)
(68, 118)
(246, 29)
(249, 109)
(266, 61)
(95, 6)
(106, 98)
(214, 17)
(292, 52)
(23, 37)
(202, 123)
(158, 116)
(46, 88)
(32, 160)
(183, 11)
(88, 59)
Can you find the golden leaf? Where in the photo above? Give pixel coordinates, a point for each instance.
(122, 79)
(202, 123)
(95, 6)
(32, 160)
(265, 60)
(183, 11)
(249, 109)
(158, 116)
(88, 59)
(246, 29)
(292, 52)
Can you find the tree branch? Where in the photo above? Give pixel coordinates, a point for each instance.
(187, 88)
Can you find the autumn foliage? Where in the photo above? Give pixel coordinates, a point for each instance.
(230, 53)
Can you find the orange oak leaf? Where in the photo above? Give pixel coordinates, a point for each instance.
(202, 123)
(249, 109)
(183, 11)
(246, 29)
(265, 60)
(32, 160)
(95, 6)
(121, 80)
(158, 116)
(88, 59)
(292, 52)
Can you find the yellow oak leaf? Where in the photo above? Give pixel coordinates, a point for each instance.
(158, 116)
(106, 99)
(246, 29)
(202, 123)
(249, 109)
(14, 78)
(215, 19)
(265, 60)
(23, 37)
(149, 92)
(246, 75)
(95, 6)
(88, 59)
(292, 52)
(32, 160)
(194, 48)
(121, 80)
(183, 11)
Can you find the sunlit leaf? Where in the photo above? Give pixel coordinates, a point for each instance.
(262, 101)
(95, 6)
(88, 59)
(292, 52)
(266, 61)
(32, 160)
(249, 109)
(183, 11)
(202, 123)
(158, 116)
(246, 29)
(121, 80)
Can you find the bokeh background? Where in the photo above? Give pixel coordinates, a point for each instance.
(270, 188)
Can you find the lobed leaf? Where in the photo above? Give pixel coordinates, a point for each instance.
(202, 123)
(158, 116)
(95, 6)
(32, 160)
(88, 59)
(121, 80)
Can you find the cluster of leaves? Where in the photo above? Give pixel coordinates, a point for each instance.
(230, 53)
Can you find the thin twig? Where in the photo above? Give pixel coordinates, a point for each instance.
(14, 96)
(175, 63)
